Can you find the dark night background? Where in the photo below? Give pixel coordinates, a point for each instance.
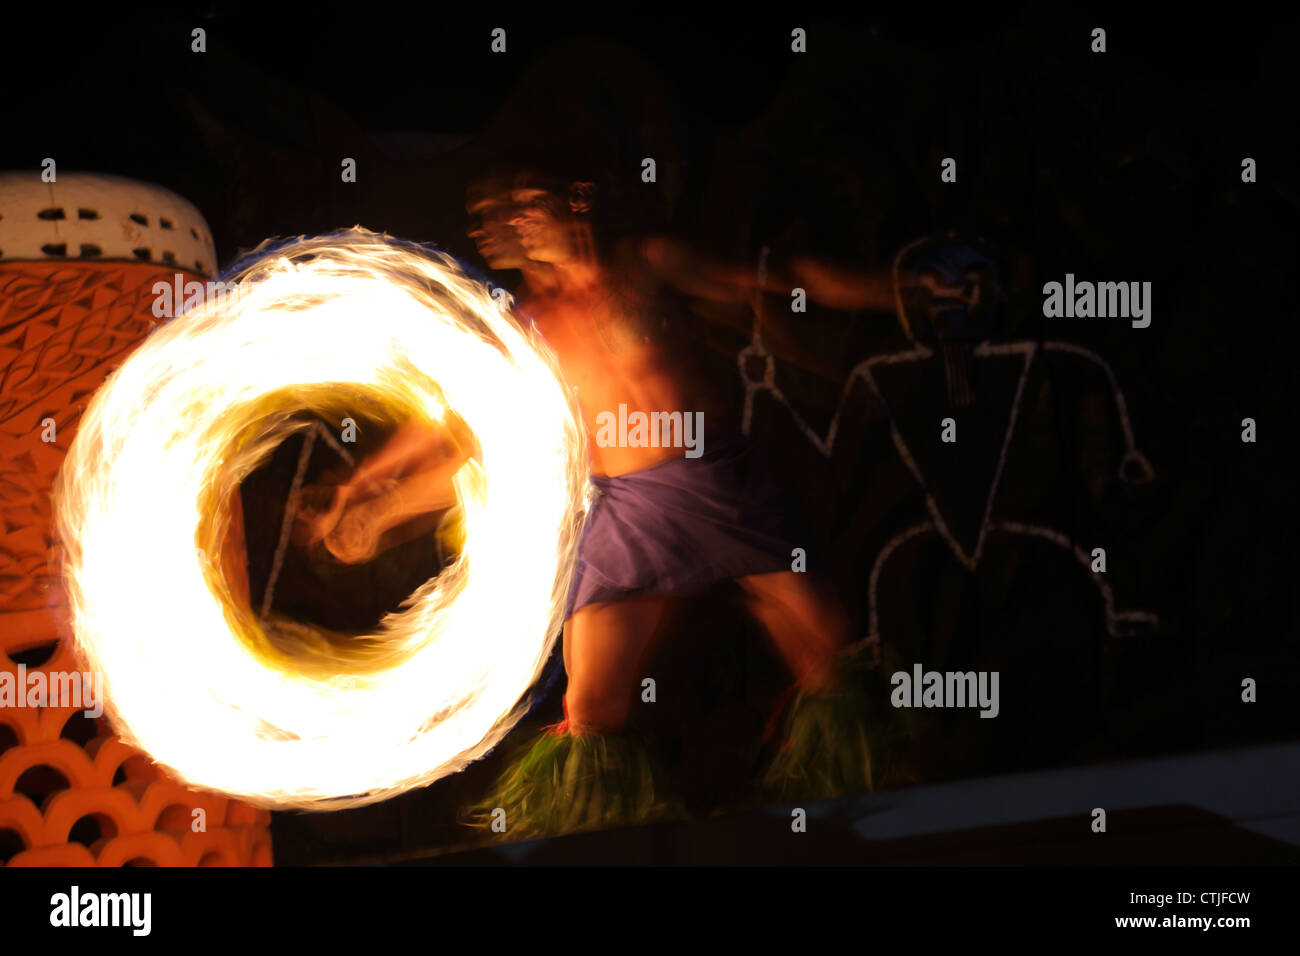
(1122, 166)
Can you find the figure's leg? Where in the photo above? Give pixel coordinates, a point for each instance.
(605, 647)
(587, 771)
(824, 750)
(804, 620)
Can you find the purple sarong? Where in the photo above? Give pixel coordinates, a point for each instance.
(683, 525)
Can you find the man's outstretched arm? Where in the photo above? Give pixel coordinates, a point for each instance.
(358, 534)
(421, 451)
(833, 286)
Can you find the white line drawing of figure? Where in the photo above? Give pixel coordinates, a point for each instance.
(957, 275)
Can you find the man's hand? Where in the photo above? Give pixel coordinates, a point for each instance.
(351, 518)
(319, 511)
(322, 507)
(355, 539)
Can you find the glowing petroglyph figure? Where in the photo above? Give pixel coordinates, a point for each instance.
(952, 288)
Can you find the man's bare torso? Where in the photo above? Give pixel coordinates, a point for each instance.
(606, 351)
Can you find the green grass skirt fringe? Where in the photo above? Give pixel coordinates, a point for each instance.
(564, 783)
(843, 740)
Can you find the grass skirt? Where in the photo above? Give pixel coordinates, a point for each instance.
(842, 740)
(564, 783)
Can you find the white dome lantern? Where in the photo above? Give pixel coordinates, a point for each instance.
(92, 216)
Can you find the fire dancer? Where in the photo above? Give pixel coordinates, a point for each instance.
(663, 525)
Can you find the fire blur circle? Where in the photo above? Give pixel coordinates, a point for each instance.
(278, 712)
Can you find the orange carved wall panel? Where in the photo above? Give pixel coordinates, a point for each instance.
(71, 792)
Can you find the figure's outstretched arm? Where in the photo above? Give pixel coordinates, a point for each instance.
(413, 444)
(838, 288)
(835, 287)
(416, 447)
(422, 493)
(696, 275)
(704, 277)
(359, 534)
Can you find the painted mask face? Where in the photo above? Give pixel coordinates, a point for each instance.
(961, 295)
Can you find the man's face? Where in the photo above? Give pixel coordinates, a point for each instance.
(491, 210)
(543, 221)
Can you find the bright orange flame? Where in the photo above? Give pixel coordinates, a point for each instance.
(192, 676)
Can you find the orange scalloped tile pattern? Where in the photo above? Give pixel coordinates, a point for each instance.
(72, 793)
